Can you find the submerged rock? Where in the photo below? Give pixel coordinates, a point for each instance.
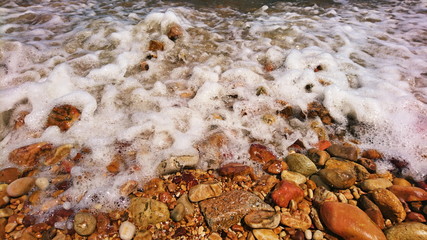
(177, 163)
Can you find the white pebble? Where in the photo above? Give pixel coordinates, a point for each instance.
(318, 235)
(66, 205)
(127, 230)
(308, 234)
(42, 183)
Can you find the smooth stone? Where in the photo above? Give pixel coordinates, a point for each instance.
(295, 177)
(349, 222)
(349, 152)
(301, 164)
(20, 186)
(4, 198)
(177, 163)
(371, 154)
(369, 164)
(407, 231)
(262, 219)
(319, 182)
(285, 191)
(146, 211)
(260, 153)
(415, 217)
(236, 169)
(8, 175)
(228, 209)
(317, 156)
(372, 210)
(127, 230)
(389, 204)
(204, 191)
(409, 194)
(321, 195)
(401, 182)
(265, 234)
(6, 212)
(183, 207)
(337, 178)
(297, 220)
(358, 170)
(84, 223)
(372, 184)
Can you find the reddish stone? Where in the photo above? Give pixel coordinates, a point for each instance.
(409, 194)
(371, 154)
(30, 155)
(156, 45)
(323, 144)
(415, 217)
(285, 191)
(175, 32)
(422, 184)
(236, 169)
(349, 222)
(260, 153)
(275, 166)
(8, 175)
(63, 116)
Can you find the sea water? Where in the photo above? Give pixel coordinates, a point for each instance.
(373, 80)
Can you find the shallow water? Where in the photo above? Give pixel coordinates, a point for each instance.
(373, 80)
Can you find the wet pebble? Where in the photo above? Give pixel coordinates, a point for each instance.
(265, 234)
(285, 191)
(300, 163)
(345, 151)
(372, 184)
(204, 191)
(389, 204)
(295, 177)
(262, 219)
(84, 223)
(20, 186)
(8, 175)
(338, 178)
(145, 211)
(408, 193)
(127, 230)
(407, 231)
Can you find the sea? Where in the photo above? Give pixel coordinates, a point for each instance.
(235, 68)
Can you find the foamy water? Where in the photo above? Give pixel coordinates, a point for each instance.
(373, 80)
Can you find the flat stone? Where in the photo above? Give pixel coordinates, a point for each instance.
(146, 211)
(262, 219)
(389, 204)
(177, 163)
(260, 153)
(349, 152)
(338, 178)
(300, 163)
(229, 208)
(265, 234)
(20, 186)
(407, 231)
(372, 184)
(30, 155)
(8, 175)
(204, 191)
(295, 177)
(349, 222)
(296, 220)
(358, 170)
(409, 194)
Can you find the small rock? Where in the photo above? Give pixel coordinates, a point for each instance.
(4, 198)
(262, 219)
(316, 219)
(175, 32)
(8, 175)
(213, 150)
(389, 204)
(236, 169)
(372, 210)
(30, 155)
(128, 187)
(204, 191)
(63, 116)
(401, 182)
(175, 164)
(260, 153)
(183, 207)
(301, 164)
(369, 164)
(295, 177)
(322, 195)
(84, 223)
(265, 184)
(228, 209)
(265, 234)
(319, 182)
(20, 186)
(127, 230)
(285, 191)
(6, 212)
(349, 222)
(42, 183)
(407, 231)
(349, 152)
(156, 45)
(317, 156)
(356, 169)
(371, 154)
(296, 220)
(409, 194)
(372, 184)
(274, 166)
(337, 178)
(145, 211)
(415, 217)
(317, 235)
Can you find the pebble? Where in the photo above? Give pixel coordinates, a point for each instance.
(372, 211)
(372, 184)
(389, 204)
(20, 186)
(8, 175)
(175, 32)
(236, 169)
(183, 207)
(295, 177)
(407, 231)
(229, 208)
(285, 191)
(63, 116)
(349, 222)
(296, 220)
(356, 169)
(265, 234)
(84, 223)
(319, 182)
(401, 182)
(322, 195)
(301, 164)
(345, 151)
(338, 178)
(415, 217)
(28, 156)
(42, 183)
(318, 235)
(127, 230)
(318, 157)
(177, 163)
(368, 164)
(275, 166)
(409, 194)
(6, 212)
(371, 154)
(211, 150)
(146, 211)
(262, 219)
(4, 198)
(308, 234)
(204, 191)
(260, 153)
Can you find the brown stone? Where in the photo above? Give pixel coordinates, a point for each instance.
(356, 169)
(84, 223)
(30, 155)
(8, 175)
(265, 184)
(401, 182)
(236, 169)
(371, 154)
(156, 45)
(260, 153)
(317, 109)
(300, 163)
(204, 191)
(262, 219)
(213, 150)
(63, 116)
(409, 194)
(407, 231)
(372, 184)
(317, 156)
(145, 211)
(372, 211)
(20, 186)
(346, 151)
(228, 209)
(369, 164)
(349, 222)
(275, 166)
(60, 154)
(285, 191)
(415, 217)
(296, 220)
(265, 234)
(175, 32)
(389, 204)
(128, 187)
(322, 195)
(338, 178)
